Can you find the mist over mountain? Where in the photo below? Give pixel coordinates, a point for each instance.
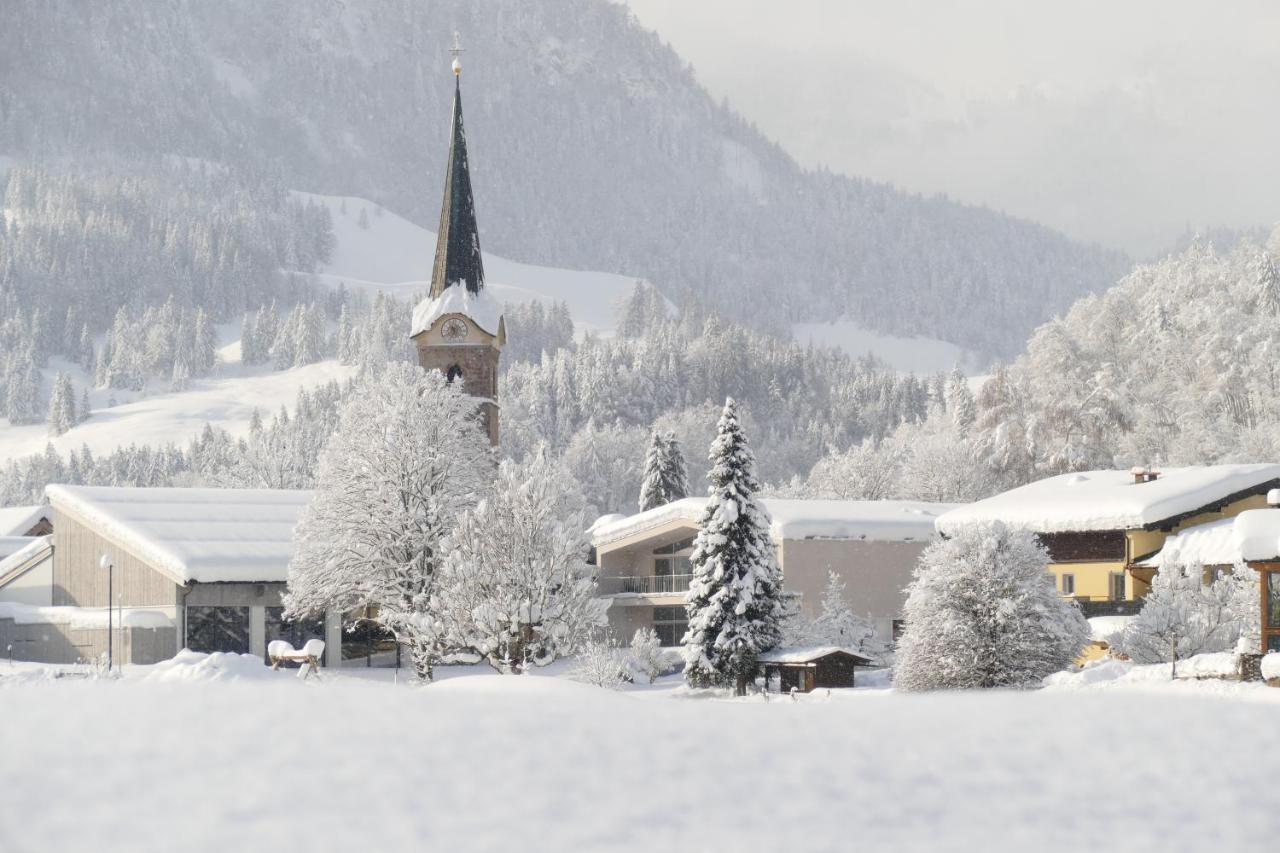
(593, 146)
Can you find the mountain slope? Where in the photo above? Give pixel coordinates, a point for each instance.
(593, 147)
(390, 255)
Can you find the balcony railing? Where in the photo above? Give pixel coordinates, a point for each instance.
(646, 584)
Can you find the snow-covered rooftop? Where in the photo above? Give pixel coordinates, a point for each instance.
(804, 654)
(13, 544)
(15, 557)
(17, 520)
(880, 521)
(1110, 500)
(482, 308)
(204, 535)
(1251, 535)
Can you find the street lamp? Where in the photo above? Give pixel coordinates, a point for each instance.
(106, 564)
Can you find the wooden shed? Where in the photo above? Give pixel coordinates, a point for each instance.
(806, 668)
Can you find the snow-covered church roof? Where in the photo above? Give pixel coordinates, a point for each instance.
(204, 535)
(481, 308)
(1252, 535)
(1111, 500)
(879, 521)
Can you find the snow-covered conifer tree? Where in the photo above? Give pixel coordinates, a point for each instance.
(249, 340)
(734, 605)
(665, 476)
(180, 377)
(84, 349)
(516, 587)
(62, 405)
(86, 408)
(836, 624)
(982, 610)
(407, 458)
(960, 402)
(344, 348)
(204, 351)
(22, 388)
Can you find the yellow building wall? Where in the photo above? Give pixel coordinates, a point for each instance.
(1093, 579)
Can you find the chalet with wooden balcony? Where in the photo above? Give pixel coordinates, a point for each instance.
(1101, 528)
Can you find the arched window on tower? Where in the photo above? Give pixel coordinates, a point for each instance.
(454, 372)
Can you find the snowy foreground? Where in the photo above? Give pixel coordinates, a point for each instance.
(171, 757)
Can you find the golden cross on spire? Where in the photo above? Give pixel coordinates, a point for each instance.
(456, 50)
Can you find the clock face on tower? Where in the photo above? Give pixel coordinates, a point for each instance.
(454, 329)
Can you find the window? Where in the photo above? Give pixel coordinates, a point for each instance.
(296, 632)
(1117, 586)
(1273, 599)
(218, 629)
(454, 372)
(673, 559)
(670, 623)
(1068, 584)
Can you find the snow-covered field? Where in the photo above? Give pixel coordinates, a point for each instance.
(226, 399)
(908, 355)
(395, 256)
(486, 762)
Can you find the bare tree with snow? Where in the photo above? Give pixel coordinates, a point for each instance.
(734, 605)
(646, 653)
(982, 611)
(407, 459)
(516, 587)
(1183, 616)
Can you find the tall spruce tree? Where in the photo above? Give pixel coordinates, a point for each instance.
(666, 478)
(62, 405)
(734, 606)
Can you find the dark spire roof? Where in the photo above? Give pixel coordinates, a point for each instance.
(458, 241)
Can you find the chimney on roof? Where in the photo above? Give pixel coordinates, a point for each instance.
(1144, 475)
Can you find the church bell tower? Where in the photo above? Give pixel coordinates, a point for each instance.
(458, 329)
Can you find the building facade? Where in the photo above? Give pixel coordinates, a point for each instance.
(1102, 527)
(644, 569)
(202, 569)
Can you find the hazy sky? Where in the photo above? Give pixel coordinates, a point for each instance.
(1120, 121)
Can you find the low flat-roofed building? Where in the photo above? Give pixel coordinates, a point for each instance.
(644, 564)
(1101, 527)
(203, 569)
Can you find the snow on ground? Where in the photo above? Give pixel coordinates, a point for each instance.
(908, 355)
(225, 399)
(488, 762)
(395, 256)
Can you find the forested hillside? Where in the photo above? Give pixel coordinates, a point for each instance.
(593, 147)
(1175, 365)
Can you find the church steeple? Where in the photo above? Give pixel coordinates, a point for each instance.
(458, 240)
(458, 329)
